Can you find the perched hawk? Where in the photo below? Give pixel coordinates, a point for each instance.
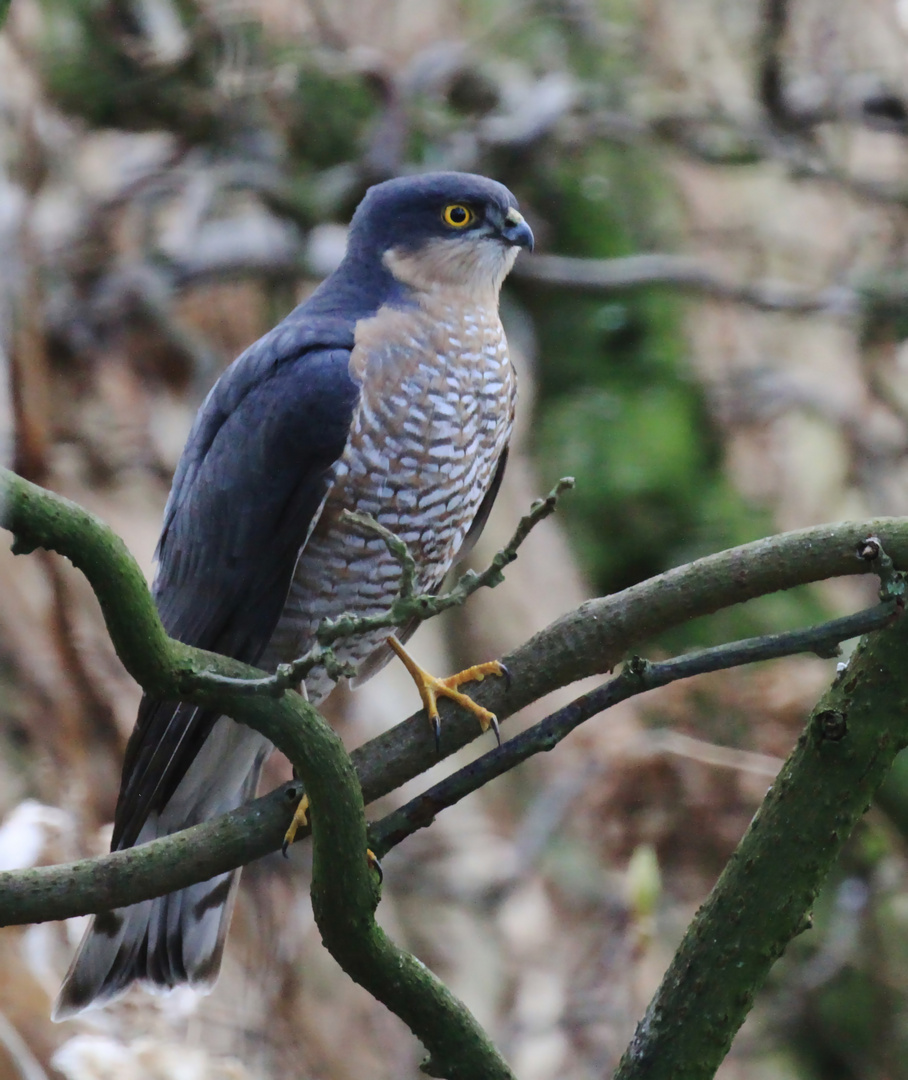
(389, 391)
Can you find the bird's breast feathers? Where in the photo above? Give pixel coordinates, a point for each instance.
(437, 385)
(434, 417)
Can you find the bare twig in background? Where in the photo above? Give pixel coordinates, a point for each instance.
(688, 275)
(676, 743)
(721, 139)
(770, 81)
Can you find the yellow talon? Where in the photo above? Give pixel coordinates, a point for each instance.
(431, 688)
(372, 860)
(300, 821)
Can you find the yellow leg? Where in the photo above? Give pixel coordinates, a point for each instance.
(431, 688)
(300, 820)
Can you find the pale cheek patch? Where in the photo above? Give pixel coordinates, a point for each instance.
(472, 265)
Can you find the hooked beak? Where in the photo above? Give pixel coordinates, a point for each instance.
(516, 231)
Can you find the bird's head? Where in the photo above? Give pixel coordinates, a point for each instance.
(442, 230)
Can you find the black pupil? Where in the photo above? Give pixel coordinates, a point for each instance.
(458, 215)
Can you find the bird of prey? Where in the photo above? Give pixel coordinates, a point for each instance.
(388, 391)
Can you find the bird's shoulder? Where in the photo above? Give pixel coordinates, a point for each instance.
(253, 471)
(297, 338)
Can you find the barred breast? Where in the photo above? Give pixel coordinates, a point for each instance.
(436, 412)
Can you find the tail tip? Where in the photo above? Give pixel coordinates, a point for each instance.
(75, 997)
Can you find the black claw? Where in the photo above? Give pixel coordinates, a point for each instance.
(285, 849)
(376, 866)
(506, 675)
(493, 723)
(436, 731)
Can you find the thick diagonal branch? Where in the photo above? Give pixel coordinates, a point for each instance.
(637, 677)
(764, 896)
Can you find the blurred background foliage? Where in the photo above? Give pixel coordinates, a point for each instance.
(176, 174)
(617, 406)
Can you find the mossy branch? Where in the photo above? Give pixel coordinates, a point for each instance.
(590, 640)
(255, 829)
(765, 894)
(345, 891)
(759, 903)
(637, 677)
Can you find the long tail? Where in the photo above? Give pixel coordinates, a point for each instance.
(178, 938)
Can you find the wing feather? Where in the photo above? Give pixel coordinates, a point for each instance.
(250, 484)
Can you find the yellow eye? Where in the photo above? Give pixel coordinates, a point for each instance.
(457, 216)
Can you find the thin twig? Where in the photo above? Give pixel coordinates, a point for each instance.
(681, 272)
(409, 604)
